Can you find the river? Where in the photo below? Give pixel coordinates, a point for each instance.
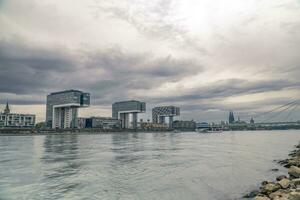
(141, 165)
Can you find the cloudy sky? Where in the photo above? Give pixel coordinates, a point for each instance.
(206, 56)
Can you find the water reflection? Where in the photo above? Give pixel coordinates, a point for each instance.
(61, 164)
(124, 147)
(140, 165)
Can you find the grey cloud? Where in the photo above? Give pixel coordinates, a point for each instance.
(230, 87)
(28, 69)
(38, 70)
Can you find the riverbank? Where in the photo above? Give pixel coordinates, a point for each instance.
(34, 131)
(286, 187)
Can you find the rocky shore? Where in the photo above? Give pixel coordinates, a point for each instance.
(286, 187)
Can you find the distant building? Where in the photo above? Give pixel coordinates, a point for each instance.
(202, 125)
(7, 109)
(184, 125)
(153, 126)
(103, 123)
(231, 118)
(122, 110)
(62, 108)
(8, 119)
(81, 122)
(160, 113)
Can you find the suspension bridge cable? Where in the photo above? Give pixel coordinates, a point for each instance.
(281, 111)
(277, 108)
(292, 110)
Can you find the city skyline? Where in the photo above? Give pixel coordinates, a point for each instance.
(207, 57)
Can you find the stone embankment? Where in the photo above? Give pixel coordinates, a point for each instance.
(286, 187)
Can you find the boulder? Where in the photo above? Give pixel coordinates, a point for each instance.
(294, 161)
(251, 194)
(295, 181)
(281, 198)
(279, 178)
(284, 183)
(261, 198)
(279, 195)
(270, 187)
(294, 171)
(264, 183)
(294, 195)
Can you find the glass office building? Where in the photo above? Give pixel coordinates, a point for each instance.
(62, 108)
(122, 110)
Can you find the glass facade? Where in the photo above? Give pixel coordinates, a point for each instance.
(65, 104)
(158, 113)
(127, 106)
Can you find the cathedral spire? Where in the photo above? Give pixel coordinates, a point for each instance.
(7, 110)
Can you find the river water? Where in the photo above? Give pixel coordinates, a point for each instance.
(140, 165)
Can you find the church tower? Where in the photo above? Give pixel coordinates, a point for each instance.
(7, 110)
(231, 117)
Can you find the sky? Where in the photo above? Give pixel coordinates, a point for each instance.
(205, 56)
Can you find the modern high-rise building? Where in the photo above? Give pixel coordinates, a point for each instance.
(8, 119)
(122, 110)
(160, 113)
(62, 108)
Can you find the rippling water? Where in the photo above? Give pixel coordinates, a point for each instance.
(140, 165)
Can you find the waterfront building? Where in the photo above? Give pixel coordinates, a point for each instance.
(160, 113)
(153, 126)
(184, 125)
(8, 119)
(202, 125)
(81, 122)
(62, 108)
(122, 110)
(103, 123)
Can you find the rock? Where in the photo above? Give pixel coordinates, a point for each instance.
(261, 198)
(281, 198)
(264, 183)
(270, 187)
(251, 194)
(274, 170)
(279, 178)
(294, 161)
(284, 183)
(294, 171)
(283, 162)
(295, 181)
(279, 195)
(294, 195)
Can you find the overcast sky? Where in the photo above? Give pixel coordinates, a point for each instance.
(206, 56)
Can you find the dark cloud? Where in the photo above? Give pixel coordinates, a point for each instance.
(27, 69)
(37, 70)
(230, 87)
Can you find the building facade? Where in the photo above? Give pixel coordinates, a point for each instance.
(184, 125)
(153, 126)
(103, 123)
(8, 119)
(122, 110)
(160, 113)
(62, 108)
